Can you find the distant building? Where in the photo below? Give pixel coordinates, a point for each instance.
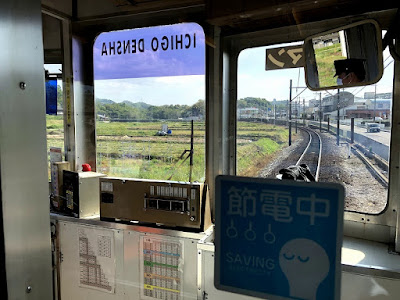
(365, 109)
(103, 117)
(343, 99)
(367, 113)
(369, 109)
(326, 40)
(371, 95)
(193, 118)
(313, 103)
(248, 113)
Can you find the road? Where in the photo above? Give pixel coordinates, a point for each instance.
(382, 137)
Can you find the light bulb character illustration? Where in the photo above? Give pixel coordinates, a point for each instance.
(305, 265)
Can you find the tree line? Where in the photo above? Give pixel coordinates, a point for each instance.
(142, 111)
(261, 103)
(127, 110)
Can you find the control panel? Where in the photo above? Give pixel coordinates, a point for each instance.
(165, 203)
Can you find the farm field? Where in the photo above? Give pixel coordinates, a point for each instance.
(132, 149)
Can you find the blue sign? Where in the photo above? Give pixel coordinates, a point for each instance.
(51, 97)
(169, 50)
(278, 239)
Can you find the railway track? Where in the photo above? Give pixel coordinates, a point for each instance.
(370, 163)
(376, 171)
(312, 154)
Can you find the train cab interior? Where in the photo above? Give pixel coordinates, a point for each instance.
(191, 149)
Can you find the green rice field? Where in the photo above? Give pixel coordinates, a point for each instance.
(132, 149)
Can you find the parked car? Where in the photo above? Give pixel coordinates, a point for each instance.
(373, 127)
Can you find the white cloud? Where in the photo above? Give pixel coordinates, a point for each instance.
(172, 80)
(153, 90)
(269, 84)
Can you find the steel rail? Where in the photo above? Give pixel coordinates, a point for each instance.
(308, 130)
(384, 179)
(319, 156)
(306, 149)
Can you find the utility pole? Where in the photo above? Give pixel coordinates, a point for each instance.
(297, 113)
(304, 111)
(290, 113)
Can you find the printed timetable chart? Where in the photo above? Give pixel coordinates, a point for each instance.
(161, 268)
(96, 259)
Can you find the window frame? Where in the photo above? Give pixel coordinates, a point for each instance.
(382, 227)
(155, 26)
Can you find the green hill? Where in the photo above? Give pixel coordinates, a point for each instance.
(104, 101)
(326, 70)
(140, 105)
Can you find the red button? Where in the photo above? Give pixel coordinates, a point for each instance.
(86, 168)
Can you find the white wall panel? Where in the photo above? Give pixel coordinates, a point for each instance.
(71, 286)
(127, 252)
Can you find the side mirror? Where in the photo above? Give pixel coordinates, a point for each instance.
(344, 57)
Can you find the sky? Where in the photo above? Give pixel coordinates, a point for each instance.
(170, 76)
(182, 90)
(254, 81)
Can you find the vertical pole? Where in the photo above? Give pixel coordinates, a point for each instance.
(191, 154)
(304, 111)
(338, 117)
(329, 118)
(394, 157)
(320, 113)
(68, 94)
(24, 208)
(290, 113)
(375, 103)
(274, 113)
(352, 130)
